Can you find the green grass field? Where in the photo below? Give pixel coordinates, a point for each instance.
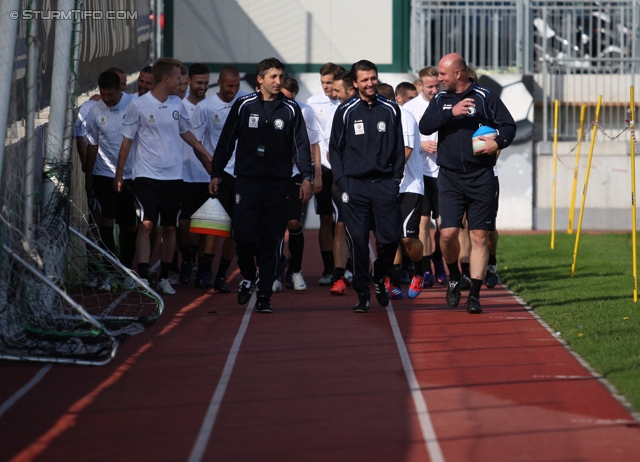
(594, 310)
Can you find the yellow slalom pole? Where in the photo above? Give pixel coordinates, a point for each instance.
(572, 206)
(586, 184)
(633, 199)
(555, 170)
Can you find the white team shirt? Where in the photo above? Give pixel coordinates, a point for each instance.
(104, 129)
(417, 106)
(324, 108)
(207, 122)
(412, 181)
(192, 169)
(314, 131)
(80, 127)
(156, 128)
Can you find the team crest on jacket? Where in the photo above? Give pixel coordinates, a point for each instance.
(278, 124)
(471, 111)
(345, 197)
(237, 198)
(382, 127)
(176, 114)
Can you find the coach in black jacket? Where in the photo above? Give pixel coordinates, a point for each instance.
(367, 160)
(466, 182)
(271, 135)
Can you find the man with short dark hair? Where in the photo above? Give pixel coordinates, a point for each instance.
(104, 126)
(367, 160)
(207, 123)
(271, 135)
(145, 81)
(293, 279)
(324, 105)
(466, 183)
(405, 92)
(342, 277)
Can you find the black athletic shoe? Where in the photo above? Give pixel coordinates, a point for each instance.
(381, 291)
(473, 305)
(263, 305)
(491, 276)
(465, 283)
(453, 294)
(245, 291)
(363, 304)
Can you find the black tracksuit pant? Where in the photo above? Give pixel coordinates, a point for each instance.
(260, 215)
(371, 205)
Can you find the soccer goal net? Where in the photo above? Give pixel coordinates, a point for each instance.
(63, 298)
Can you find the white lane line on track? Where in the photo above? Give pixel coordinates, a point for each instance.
(428, 433)
(25, 389)
(200, 446)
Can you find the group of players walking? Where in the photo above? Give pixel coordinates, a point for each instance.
(154, 158)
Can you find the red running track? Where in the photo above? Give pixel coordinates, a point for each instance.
(316, 382)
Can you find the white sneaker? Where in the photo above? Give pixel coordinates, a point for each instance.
(298, 281)
(174, 278)
(129, 283)
(108, 285)
(277, 286)
(164, 286)
(93, 282)
(348, 276)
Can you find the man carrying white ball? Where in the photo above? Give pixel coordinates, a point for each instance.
(466, 182)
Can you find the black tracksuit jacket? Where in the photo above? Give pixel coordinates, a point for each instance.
(281, 134)
(367, 140)
(455, 150)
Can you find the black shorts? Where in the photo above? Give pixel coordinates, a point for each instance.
(294, 203)
(473, 193)
(193, 196)
(430, 199)
(106, 196)
(227, 192)
(336, 203)
(323, 198)
(497, 194)
(126, 208)
(158, 198)
(410, 206)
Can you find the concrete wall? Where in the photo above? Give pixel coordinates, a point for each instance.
(295, 31)
(608, 198)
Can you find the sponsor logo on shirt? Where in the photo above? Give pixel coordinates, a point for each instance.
(216, 119)
(253, 120)
(320, 112)
(382, 127)
(103, 121)
(447, 106)
(358, 127)
(278, 124)
(152, 119)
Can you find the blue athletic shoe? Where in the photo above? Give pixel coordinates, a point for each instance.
(427, 280)
(185, 272)
(395, 293)
(221, 286)
(441, 274)
(416, 287)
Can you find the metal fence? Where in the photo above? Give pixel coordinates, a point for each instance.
(575, 50)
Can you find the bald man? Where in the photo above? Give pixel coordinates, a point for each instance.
(466, 183)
